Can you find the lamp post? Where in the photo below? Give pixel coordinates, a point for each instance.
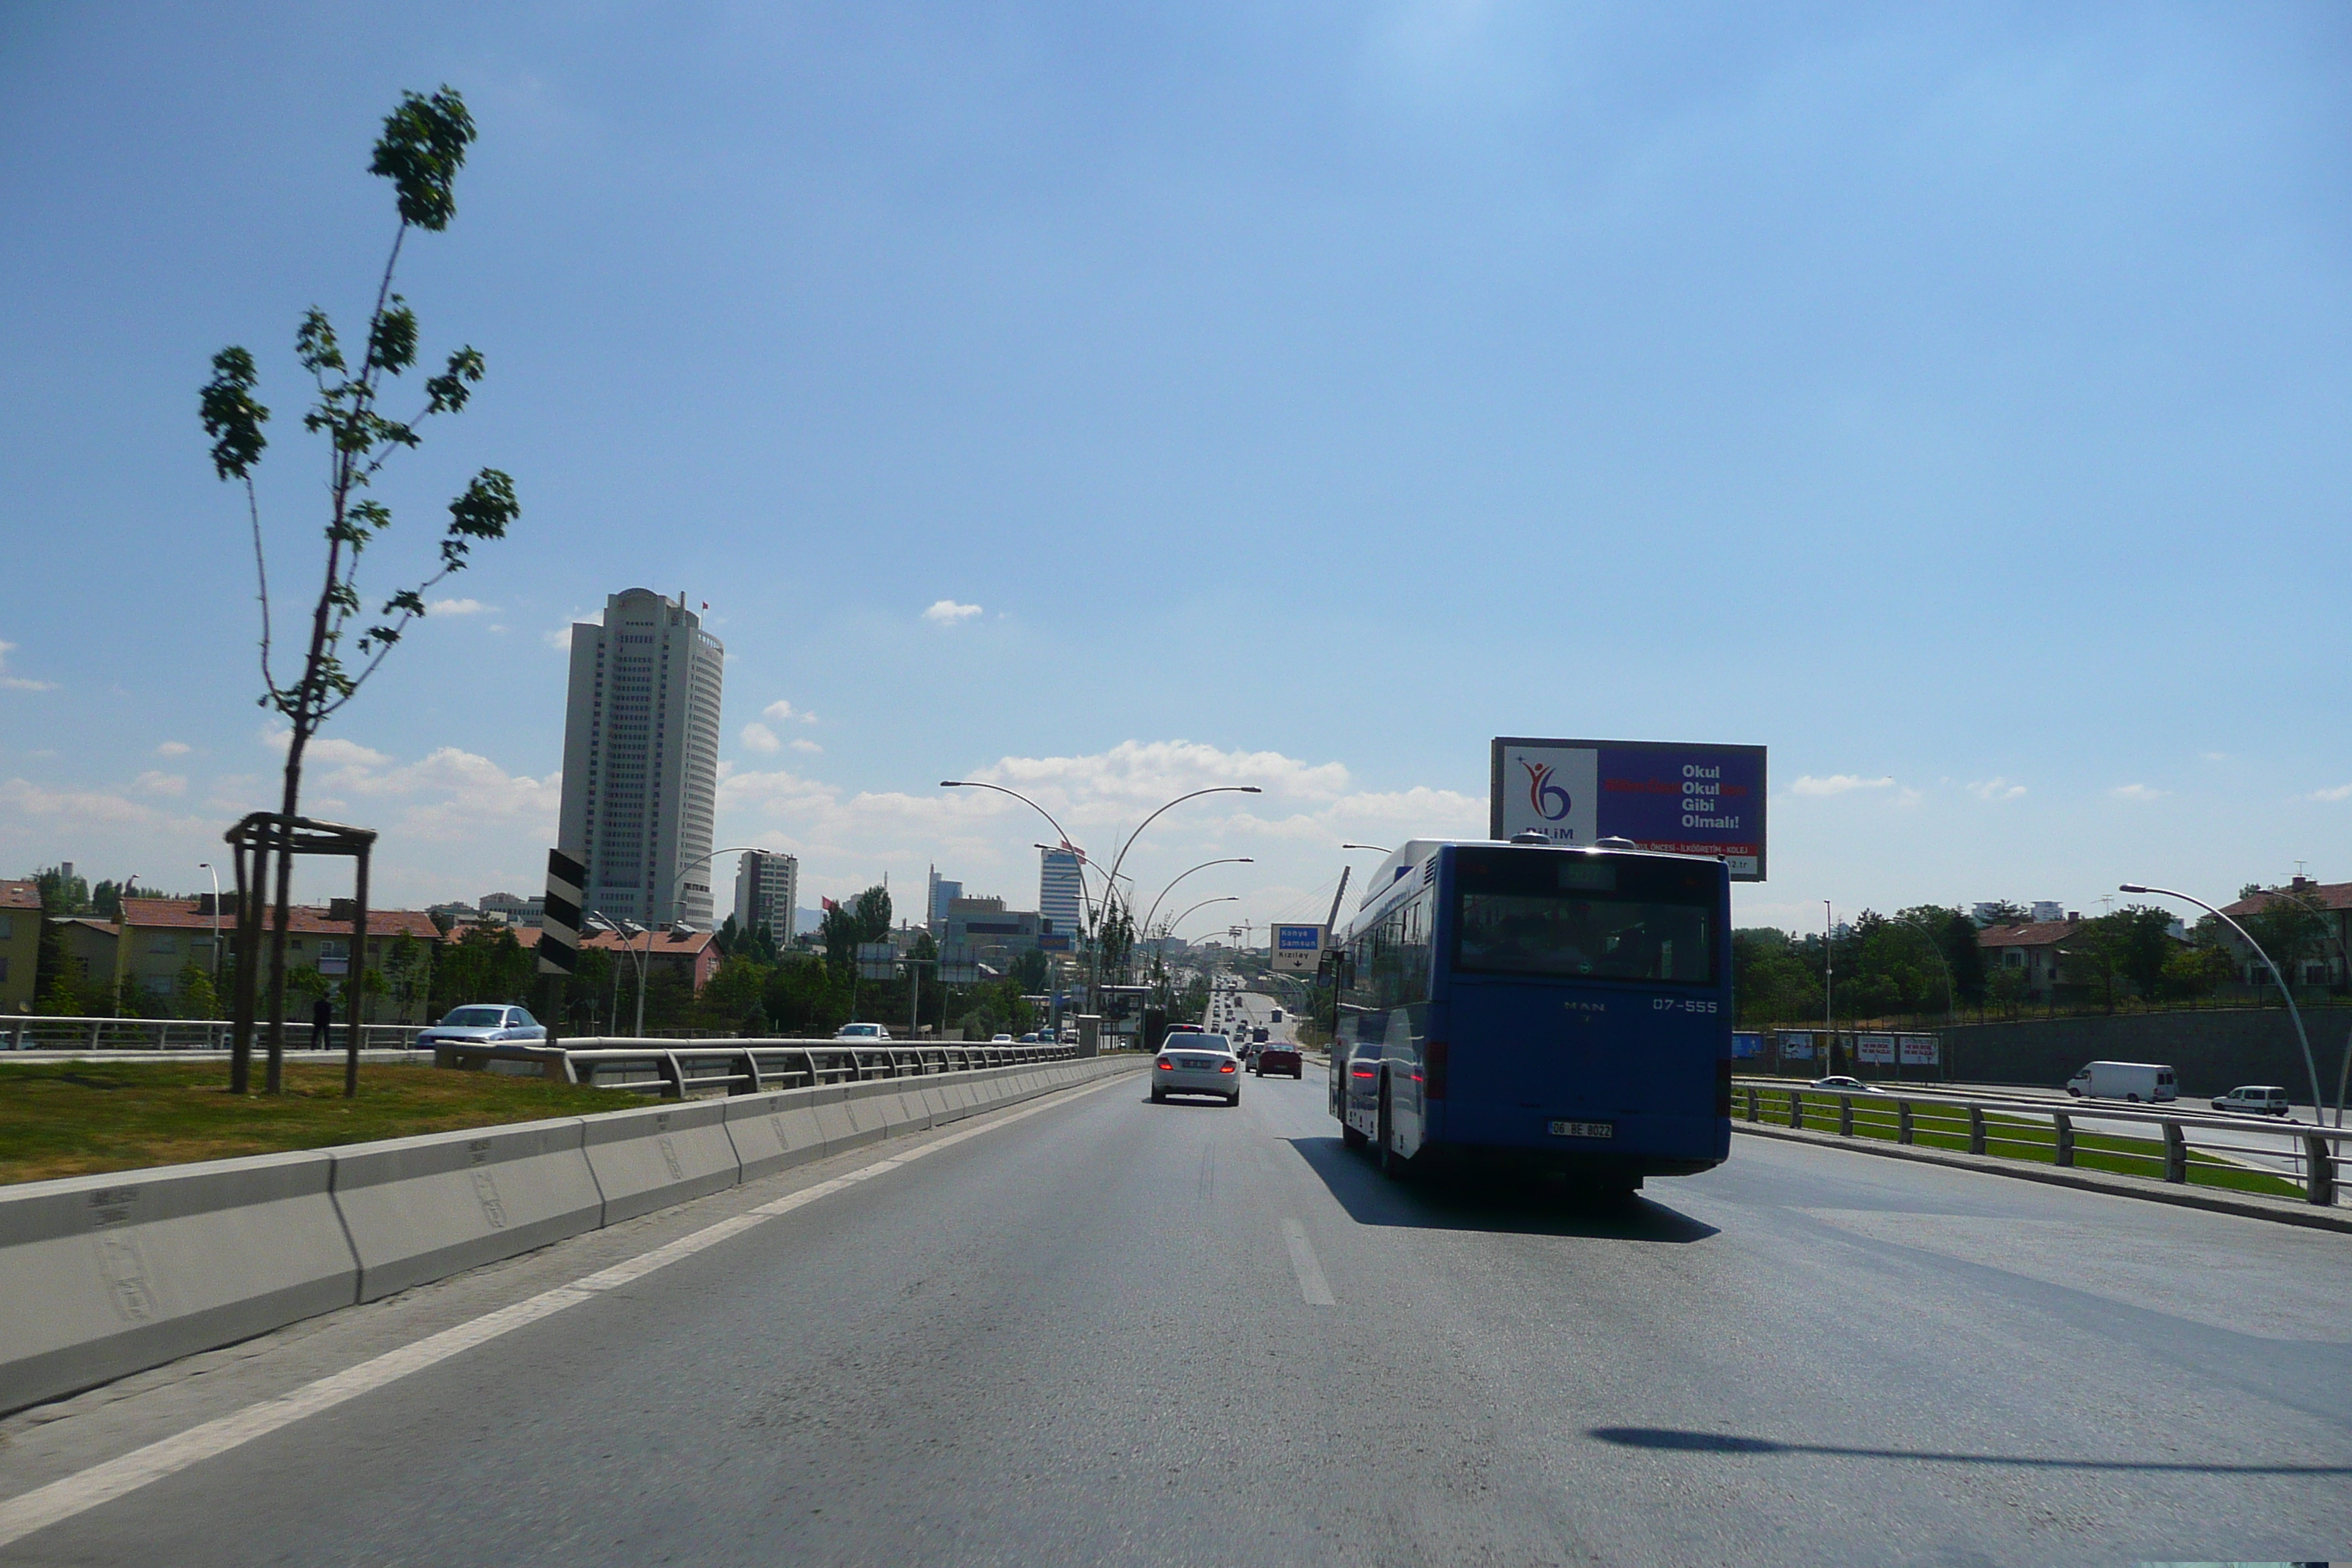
(625, 929)
(1169, 928)
(207, 866)
(1059, 831)
(2318, 1104)
(1228, 861)
(1375, 848)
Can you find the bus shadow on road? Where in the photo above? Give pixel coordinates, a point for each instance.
(1441, 1202)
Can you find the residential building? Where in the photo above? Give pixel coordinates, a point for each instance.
(161, 936)
(513, 909)
(940, 894)
(87, 945)
(641, 759)
(20, 943)
(457, 913)
(1061, 890)
(2321, 964)
(766, 886)
(2032, 950)
(691, 956)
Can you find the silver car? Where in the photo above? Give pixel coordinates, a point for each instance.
(481, 1024)
(1196, 1064)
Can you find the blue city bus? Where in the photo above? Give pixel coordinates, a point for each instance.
(1527, 1009)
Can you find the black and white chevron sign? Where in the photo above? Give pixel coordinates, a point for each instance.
(559, 931)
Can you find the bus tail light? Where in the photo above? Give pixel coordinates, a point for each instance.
(1433, 1085)
(1723, 1086)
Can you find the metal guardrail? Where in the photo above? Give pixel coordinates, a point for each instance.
(32, 1032)
(676, 1069)
(2309, 1154)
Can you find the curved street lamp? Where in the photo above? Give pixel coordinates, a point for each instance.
(2318, 1104)
(1228, 861)
(1059, 830)
(1169, 928)
(1195, 794)
(1375, 848)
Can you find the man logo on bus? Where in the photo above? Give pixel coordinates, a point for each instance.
(1551, 801)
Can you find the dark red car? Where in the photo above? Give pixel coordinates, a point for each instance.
(1278, 1055)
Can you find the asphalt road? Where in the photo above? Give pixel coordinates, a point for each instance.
(1098, 1337)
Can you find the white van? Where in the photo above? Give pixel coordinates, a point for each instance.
(2134, 1081)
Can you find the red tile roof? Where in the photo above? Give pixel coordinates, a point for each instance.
(2032, 933)
(664, 942)
(20, 895)
(2319, 895)
(304, 919)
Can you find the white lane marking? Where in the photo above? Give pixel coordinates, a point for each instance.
(1311, 1283)
(62, 1498)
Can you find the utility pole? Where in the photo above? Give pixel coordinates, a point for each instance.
(1829, 999)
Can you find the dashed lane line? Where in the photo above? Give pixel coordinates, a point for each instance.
(1303, 1263)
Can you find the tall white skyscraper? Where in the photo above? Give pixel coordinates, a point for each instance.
(641, 759)
(1060, 893)
(939, 896)
(766, 886)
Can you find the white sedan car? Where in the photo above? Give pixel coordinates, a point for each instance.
(1196, 1064)
(870, 1034)
(483, 1024)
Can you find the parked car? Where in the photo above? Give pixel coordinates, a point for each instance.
(1839, 1080)
(865, 1032)
(2133, 1081)
(1198, 1064)
(2255, 1100)
(482, 1023)
(1279, 1057)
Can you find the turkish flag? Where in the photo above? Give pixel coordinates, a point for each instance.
(829, 904)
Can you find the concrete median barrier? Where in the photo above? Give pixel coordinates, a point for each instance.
(421, 1208)
(649, 1159)
(100, 1275)
(831, 1106)
(773, 1132)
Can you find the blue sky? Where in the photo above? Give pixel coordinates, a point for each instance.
(1952, 400)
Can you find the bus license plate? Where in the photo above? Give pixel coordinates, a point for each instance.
(1584, 1130)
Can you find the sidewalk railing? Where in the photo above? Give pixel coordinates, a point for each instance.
(677, 1070)
(30, 1032)
(2251, 1153)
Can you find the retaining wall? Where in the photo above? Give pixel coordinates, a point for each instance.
(2210, 1052)
(104, 1276)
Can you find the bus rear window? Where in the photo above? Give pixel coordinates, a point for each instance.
(1578, 936)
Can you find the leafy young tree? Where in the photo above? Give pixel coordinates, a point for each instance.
(421, 148)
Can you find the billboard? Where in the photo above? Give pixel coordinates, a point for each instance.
(1683, 799)
(1796, 1047)
(1919, 1050)
(1746, 1045)
(1298, 949)
(1879, 1049)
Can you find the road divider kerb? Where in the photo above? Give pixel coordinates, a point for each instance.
(104, 1276)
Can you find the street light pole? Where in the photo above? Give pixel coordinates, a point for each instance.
(1829, 998)
(207, 866)
(2318, 1102)
(1112, 880)
(1228, 861)
(600, 921)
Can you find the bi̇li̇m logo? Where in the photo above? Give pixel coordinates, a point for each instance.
(1551, 801)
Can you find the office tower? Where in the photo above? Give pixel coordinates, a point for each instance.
(641, 759)
(1061, 896)
(766, 886)
(942, 893)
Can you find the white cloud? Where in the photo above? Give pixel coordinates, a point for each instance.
(1996, 789)
(2341, 792)
(450, 794)
(560, 640)
(948, 613)
(810, 747)
(2137, 792)
(18, 682)
(326, 750)
(759, 737)
(155, 782)
(785, 712)
(464, 607)
(1838, 784)
(79, 808)
(174, 749)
